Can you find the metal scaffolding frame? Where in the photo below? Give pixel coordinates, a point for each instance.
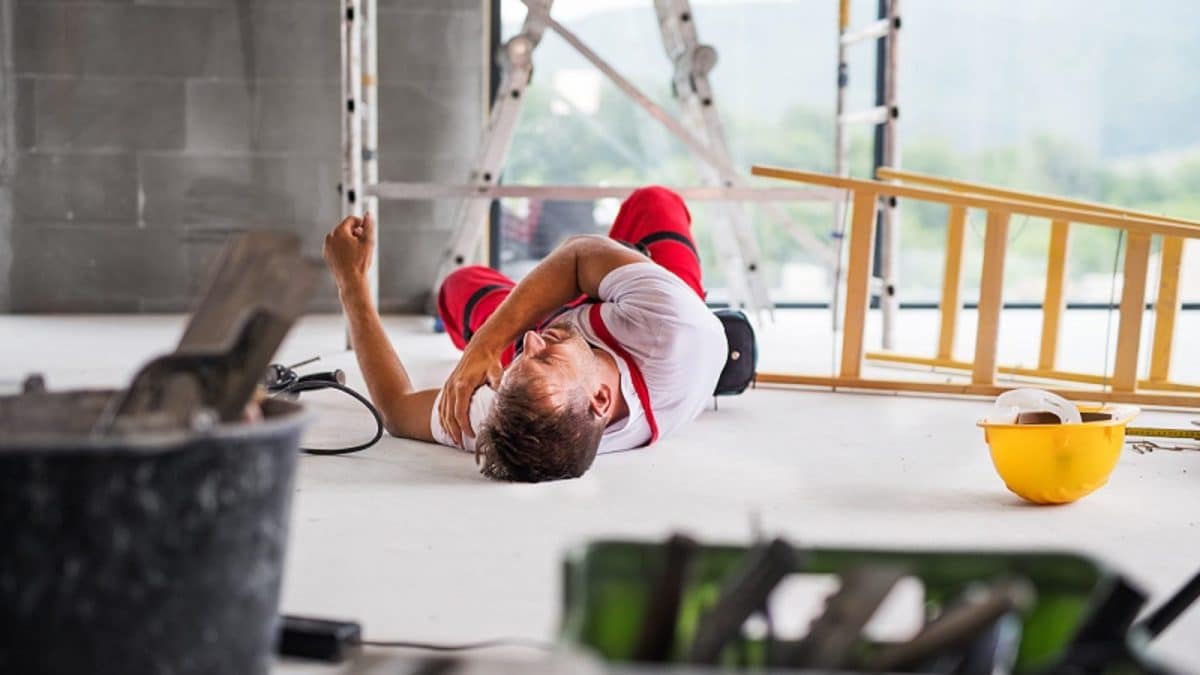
(700, 130)
(885, 116)
(360, 121)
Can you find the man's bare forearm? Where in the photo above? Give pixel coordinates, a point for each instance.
(405, 411)
(574, 268)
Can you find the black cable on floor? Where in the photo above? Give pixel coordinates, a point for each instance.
(303, 385)
(462, 647)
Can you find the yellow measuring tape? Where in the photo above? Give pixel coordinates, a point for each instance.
(1159, 432)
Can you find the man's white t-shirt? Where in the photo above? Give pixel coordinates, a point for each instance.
(674, 340)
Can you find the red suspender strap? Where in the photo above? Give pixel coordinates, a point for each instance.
(639, 383)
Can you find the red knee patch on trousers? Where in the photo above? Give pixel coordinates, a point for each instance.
(468, 296)
(654, 210)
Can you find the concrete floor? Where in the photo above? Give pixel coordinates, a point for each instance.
(410, 540)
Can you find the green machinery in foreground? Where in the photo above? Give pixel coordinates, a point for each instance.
(679, 602)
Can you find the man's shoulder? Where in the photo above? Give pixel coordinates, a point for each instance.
(653, 290)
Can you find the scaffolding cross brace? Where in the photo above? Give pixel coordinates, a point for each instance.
(699, 128)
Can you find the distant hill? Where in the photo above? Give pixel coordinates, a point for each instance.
(1122, 78)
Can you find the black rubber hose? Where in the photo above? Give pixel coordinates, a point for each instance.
(303, 385)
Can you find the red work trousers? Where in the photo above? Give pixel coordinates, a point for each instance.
(652, 219)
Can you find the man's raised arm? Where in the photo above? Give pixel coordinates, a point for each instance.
(576, 267)
(405, 412)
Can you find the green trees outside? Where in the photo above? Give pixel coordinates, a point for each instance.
(618, 143)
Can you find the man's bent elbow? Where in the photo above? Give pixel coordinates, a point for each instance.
(402, 427)
(402, 420)
(407, 415)
(394, 429)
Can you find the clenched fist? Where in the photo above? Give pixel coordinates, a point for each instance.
(348, 251)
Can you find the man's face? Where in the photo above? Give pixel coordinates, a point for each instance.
(558, 359)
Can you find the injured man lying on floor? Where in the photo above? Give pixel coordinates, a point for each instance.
(606, 345)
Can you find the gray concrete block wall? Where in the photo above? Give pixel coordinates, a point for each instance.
(8, 125)
(142, 133)
(429, 56)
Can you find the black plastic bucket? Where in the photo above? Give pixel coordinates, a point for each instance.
(157, 553)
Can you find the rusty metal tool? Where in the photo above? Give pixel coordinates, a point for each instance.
(258, 287)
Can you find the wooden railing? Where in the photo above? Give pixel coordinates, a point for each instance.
(1123, 384)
